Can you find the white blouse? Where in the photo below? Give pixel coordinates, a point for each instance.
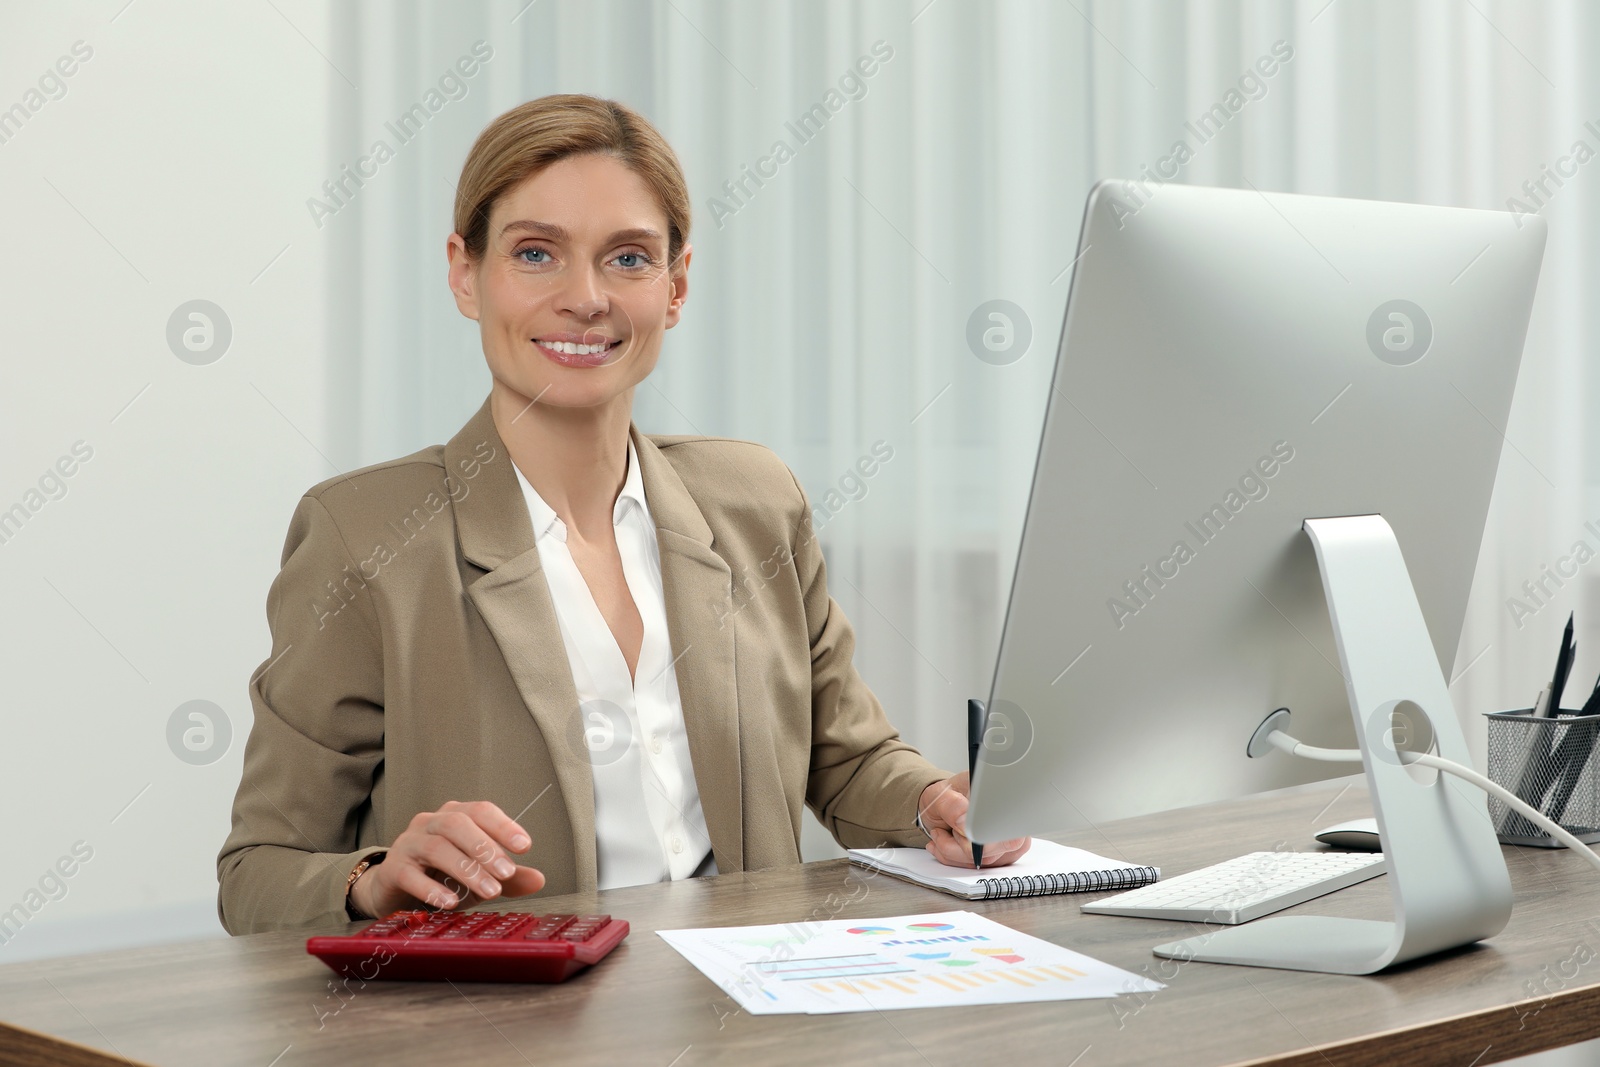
(647, 817)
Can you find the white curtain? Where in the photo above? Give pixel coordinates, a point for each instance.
(829, 302)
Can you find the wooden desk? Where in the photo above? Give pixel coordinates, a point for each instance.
(262, 1001)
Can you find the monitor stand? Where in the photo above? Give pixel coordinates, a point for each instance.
(1445, 866)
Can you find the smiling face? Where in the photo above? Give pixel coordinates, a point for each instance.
(573, 293)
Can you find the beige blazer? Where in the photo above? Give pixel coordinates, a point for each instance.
(416, 659)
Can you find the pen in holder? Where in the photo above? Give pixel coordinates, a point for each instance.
(1551, 763)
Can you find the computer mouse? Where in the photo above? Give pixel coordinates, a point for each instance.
(1360, 834)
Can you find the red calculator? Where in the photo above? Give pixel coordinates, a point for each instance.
(474, 946)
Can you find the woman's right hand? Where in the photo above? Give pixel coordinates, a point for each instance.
(453, 857)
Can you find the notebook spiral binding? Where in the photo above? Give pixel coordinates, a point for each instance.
(1087, 881)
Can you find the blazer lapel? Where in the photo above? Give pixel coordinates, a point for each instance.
(495, 534)
(696, 584)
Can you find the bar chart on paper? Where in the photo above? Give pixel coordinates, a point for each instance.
(913, 961)
(901, 980)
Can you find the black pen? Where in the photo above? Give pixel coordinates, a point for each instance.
(975, 724)
(1531, 786)
(1572, 755)
(1558, 684)
(1592, 705)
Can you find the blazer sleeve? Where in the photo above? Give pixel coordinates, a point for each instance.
(315, 746)
(864, 782)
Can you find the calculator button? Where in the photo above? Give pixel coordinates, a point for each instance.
(585, 928)
(397, 925)
(504, 928)
(549, 926)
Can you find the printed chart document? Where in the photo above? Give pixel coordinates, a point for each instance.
(906, 961)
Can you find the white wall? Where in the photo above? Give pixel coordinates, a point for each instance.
(175, 167)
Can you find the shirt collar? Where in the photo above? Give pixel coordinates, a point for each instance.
(546, 523)
(632, 488)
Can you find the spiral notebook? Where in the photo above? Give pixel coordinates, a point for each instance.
(1046, 868)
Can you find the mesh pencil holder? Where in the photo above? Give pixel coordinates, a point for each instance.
(1554, 765)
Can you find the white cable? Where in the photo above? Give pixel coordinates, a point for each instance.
(1281, 740)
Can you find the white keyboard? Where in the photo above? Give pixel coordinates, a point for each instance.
(1245, 888)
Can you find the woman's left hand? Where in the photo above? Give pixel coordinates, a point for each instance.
(943, 809)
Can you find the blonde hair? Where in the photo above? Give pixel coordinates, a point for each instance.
(531, 136)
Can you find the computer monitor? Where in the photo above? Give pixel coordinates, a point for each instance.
(1232, 363)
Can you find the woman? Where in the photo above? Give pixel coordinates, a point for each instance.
(527, 642)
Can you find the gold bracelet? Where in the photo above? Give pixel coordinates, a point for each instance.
(350, 884)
